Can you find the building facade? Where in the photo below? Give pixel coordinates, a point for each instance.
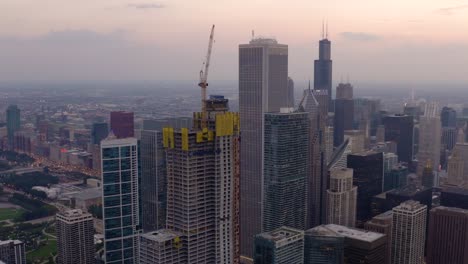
(341, 198)
(13, 123)
(323, 69)
(281, 246)
(161, 247)
(382, 224)
(12, 252)
(99, 131)
(323, 246)
(399, 129)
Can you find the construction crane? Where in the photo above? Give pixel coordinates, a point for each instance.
(204, 78)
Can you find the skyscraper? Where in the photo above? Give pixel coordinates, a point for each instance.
(284, 245)
(341, 198)
(399, 128)
(121, 201)
(290, 92)
(323, 246)
(457, 168)
(99, 131)
(409, 233)
(368, 177)
(75, 237)
(448, 236)
(323, 68)
(161, 247)
(429, 139)
(12, 252)
(344, 112)
(202, 185)
(121, 124)
(448, 117)
(263, 88)
(382, 224)
(344, 91)
(13, 123)
(285, 169)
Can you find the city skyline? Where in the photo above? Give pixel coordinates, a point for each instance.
(128, 40)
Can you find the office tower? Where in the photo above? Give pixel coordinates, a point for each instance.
(316, 183)
(447, 241)
(161, 247)
(290, 92)
(344, 91)
(412, 192)
(153, 180)
(13, 123)
(341, 198)
(399, 128)
(121, 201)
(413, 110)
(361, 246)
(427, 178)
(339, 159)
(263, 82)
(285, 169)
(99, 131)
(429, 139)
(395, 178)
(448, 117)
(449, 137)
(284, 245)
(202, 184)
(121, 124)
(12, 252)
(323, 246)
(390, 161)
(457, 167)
(368, 177)
(323, 68)
(357, 138)
(382, 224)
(454, 197)
(380, 134)
(328, 143)
(409, 233)
(365, 115)
(75, 237)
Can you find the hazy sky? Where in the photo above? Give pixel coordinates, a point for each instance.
(373, 40)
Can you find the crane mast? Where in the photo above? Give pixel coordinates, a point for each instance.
(204, 77)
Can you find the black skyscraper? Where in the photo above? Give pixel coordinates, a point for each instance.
(399, 128)
(323, 69)
(448, 117)
(344, 112)
(368, 177)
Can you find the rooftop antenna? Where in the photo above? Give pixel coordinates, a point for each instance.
(253, 34)
(323, 28)
(326, 30)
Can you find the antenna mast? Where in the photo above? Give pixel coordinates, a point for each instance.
(204, 77)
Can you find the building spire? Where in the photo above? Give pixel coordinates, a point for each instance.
(323, 28)
(326, 31)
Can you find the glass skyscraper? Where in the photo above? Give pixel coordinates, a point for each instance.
(121, 206)
(13, 123)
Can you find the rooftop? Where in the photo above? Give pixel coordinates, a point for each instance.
(162, 235)
(354, 233)
(410, 205)
(281, 234)
(4, 242)
(450, 209)
(323, 230)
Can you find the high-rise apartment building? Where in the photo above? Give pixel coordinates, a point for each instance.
(429, 139)
(99, 131)
(263, 88)
(284, 245)
(323, 68)
(341, 198)
(75, 237)
(447, 241)
(368, 177)
(122, 124)
(121, 201)
(409, 233)
(323, 246)
(382, 224)
(12, 252)
(13, 123)
(203, 185)
(285, 169)
(161, 247)
(399, 129)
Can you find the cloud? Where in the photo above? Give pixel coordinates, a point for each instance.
(448, 11)
(359, 36)
(146, 6)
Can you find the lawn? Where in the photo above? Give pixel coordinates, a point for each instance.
(9, 213)
(44, 251)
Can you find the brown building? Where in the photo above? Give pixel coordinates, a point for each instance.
(448, 236)
(382, 223)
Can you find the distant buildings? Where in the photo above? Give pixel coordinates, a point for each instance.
(99, 131)
(121, 201)
(263, 88)
(448, 117)
(399, 128)
(341, 198)
(409, 233)
(323, 246)
(13, 123)
(12, 252)
(281, 246)
(161, 247)
(344, 112)
(75, 237)
(448, 236)
(122, 124)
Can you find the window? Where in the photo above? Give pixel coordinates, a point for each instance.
(126, 176)
(110, 153)
(125, 164)
(111, 165)
(111, 201)
(127, 221)
(111, 189)
(127, 231)
(127, 210)
(125, 152)
(126, 188)
(112, 212)
(111, 177)
(112, 223)
(113, 245)
(114, 233)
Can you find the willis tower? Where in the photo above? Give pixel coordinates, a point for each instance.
(323, 68)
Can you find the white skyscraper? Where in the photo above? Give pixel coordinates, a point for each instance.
(430, 129)
(121, 207)
(409, 233)
(341, 198)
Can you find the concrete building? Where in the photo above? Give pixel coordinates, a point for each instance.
(12, 252)
(121, 201)
(447, 241)
(362, 246)
(161, 247)
(409, 233)
(75, 237)
(399, 129)
(203, 184)
(285, 169)
(122, 124)
(382, 224)
(341, 198)
(323, 246)
(263, 88)
(281, 246)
